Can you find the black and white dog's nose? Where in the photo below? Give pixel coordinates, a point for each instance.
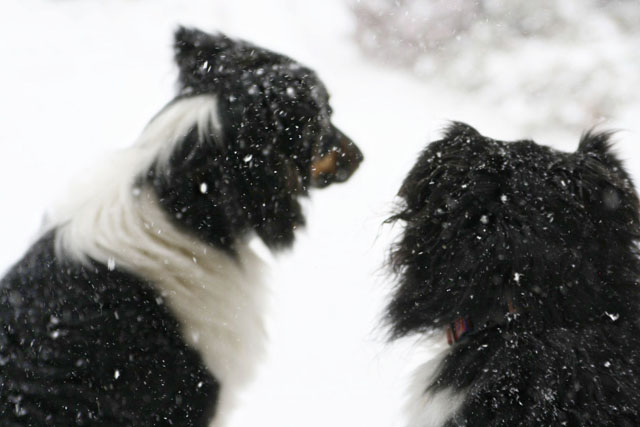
(335, 161)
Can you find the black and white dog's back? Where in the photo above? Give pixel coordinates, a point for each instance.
(142, 303)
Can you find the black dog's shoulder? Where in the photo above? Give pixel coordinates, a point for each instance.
(78, 342)
(573, 377)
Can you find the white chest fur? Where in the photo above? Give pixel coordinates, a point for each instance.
(218, 301)
(428, 408)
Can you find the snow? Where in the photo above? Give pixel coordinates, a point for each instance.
(204, 188)
(81, 78)
(612, 316)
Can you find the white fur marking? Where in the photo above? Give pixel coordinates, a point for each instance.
(218, 301)
(427, 408)
(110, 188)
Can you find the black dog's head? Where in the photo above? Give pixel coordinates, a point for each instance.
(275, 141)
(493, 227)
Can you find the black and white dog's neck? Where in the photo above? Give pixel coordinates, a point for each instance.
(177, 226)
(195, 185)
(204, 185)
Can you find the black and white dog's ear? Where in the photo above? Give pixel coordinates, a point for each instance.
(191, 42)
(195, 54)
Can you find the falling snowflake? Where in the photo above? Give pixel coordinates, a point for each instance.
(612, 316)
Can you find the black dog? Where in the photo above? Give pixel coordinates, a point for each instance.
(526, 257)
(141, 304)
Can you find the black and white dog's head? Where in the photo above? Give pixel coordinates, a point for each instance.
(492, 227)
(261, 137)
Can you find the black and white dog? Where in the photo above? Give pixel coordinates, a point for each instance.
(527, 258)
(141, 304)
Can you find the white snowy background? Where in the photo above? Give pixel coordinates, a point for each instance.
(80, 78)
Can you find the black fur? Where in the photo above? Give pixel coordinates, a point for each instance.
(84, 345)
(489, 224)
(276, 124)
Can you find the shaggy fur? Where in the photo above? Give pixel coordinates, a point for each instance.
(141, 304)
(536, 248)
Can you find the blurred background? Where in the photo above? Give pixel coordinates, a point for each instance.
(81, 78)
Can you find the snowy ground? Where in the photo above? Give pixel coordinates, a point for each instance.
(82, 77)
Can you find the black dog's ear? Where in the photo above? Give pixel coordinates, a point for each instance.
(605, 184)
(458, 141)
(596, 143)
(456, 129)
